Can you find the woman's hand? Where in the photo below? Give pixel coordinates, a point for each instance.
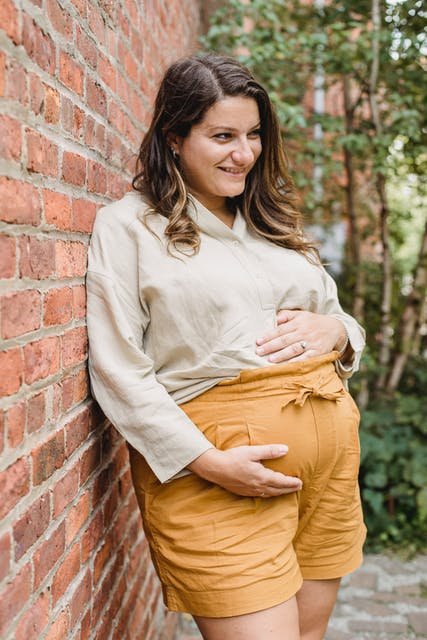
(301, 335)
(240, 470)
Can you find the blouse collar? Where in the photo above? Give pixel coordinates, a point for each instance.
(210, 224)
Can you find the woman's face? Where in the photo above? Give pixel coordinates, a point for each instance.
(218, 153)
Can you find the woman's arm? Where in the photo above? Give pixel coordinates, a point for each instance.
(122, 376)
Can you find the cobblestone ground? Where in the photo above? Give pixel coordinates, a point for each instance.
(384, 599)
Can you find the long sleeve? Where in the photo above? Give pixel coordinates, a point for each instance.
(355, 332)
(122, 375)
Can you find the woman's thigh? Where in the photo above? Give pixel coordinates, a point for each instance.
(275, 623)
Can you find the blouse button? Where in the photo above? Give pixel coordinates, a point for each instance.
(235, 243)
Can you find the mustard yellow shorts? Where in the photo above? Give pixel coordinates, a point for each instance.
(219, 554)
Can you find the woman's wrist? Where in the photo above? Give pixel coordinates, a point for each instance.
(206, 464)
(342, 343)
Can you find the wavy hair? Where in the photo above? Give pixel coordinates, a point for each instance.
(189, 88)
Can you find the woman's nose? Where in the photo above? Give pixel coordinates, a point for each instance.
(243, 153)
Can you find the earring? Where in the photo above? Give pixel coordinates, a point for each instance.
(174, 153)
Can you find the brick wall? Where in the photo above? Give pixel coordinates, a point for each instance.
(77, 78)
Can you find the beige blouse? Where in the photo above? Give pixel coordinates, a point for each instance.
(164, 329)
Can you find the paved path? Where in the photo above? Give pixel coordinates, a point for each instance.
(384, 599)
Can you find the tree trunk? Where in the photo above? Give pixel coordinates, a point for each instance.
(386, 330)
(412, 317)
(350, 192)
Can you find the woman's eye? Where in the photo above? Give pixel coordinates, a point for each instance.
(223, 136)
(255, 133)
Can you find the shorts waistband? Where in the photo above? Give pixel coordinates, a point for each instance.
(315, 376)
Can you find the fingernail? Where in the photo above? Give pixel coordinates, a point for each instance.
(283, 448)
(272, 358)
(260, 350)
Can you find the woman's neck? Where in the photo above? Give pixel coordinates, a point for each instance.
(217, 206)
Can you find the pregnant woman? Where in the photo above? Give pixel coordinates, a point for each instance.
(219, 350)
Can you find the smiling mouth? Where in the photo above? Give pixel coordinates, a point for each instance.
(233, 172)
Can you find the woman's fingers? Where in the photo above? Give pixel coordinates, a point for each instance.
(277, 341)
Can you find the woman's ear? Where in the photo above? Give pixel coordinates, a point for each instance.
(172, 141)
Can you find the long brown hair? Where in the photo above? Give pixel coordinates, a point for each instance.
(268, 203)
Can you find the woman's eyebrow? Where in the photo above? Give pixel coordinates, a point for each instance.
(225, 128)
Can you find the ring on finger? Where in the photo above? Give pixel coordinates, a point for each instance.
(262, 495)
(303, 345)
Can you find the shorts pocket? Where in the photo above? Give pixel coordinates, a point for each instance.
(231, 433)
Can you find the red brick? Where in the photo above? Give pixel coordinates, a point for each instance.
(96, 177)
(96, 24)
(55, 409)
(81, 386)
(52, 105)
(47, 457)
(2, 73)
(96, 98)
(33, 622)
(76, 432)
(70, 259)
(84, 213)
(60, 627)
(90, 461)
(2, 428)
(67, 393)
(92, 535)
(79, 301)
(20, 313)
(30, 527)
(86, 626)
(12, 368)
(107, 72)
(57, 209)
(73, 168)
(74, 346)
(71, 73)
(76, 517)
(37, 257)
(14, 597)
(5, 547)
(81, 597)
(14, 485)
(38, 44)
(65, 490)
(36, 412)
(36, 93)
(131, 66)
(41, 359)
(15, 420)
(7, 257)
(42, 154)
(67, 570)
(117, 187)
(86, 47)
(111, 504)
(101, 558)
(60, 20)
(102, 484)
(67, 114)
(20, 202)
(10, 138)
(79, 119)
(58, 306)
(16, 83)
(9, 20)
(48, 553)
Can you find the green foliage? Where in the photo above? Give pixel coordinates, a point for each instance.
(393, 474)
